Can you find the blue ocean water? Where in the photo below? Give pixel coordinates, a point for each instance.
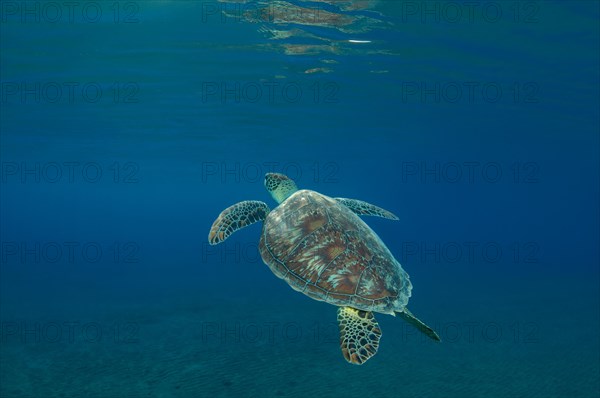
(126, 127)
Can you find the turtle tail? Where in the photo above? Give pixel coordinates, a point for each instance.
(413, 320)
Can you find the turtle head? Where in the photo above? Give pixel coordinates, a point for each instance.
(279, 186)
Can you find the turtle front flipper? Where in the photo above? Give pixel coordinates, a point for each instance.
(366, 209)
(359, 334)
(410, 318)
(235, 217)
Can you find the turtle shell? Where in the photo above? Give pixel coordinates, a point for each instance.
(324, 250)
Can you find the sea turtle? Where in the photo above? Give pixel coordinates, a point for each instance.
(321, 248)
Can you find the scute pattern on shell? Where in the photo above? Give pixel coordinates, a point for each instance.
(324, 250)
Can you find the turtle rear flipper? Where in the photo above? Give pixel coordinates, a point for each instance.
(235, 217)
(359, 334)
(410, 318)
(366, 209)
